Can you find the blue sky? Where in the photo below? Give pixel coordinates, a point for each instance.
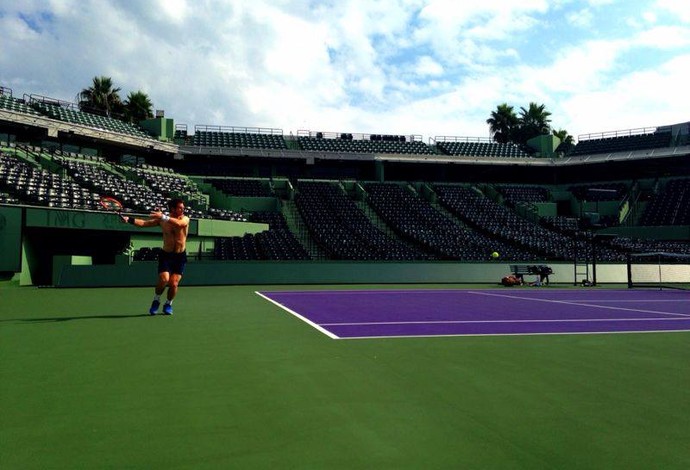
(429, 68)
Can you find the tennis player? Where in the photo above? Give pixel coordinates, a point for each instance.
(173, 258)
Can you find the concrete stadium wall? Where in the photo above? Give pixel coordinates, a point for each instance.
(74, 273)
(21, 255)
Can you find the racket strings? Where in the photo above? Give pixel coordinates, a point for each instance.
(111, 204)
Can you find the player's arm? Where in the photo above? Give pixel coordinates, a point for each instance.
(139, 222)
(159, 216)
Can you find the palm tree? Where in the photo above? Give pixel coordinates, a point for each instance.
(101, 96)
(502, 123)
(138, 106)
(564, 137)
(533, 121)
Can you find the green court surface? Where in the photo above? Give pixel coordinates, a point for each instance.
(89, 380)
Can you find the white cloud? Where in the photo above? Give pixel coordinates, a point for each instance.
(676, 8)
(427, 66)
(576, 69)
(467, 32)
(174, 10)
(664, 37)
(580, 19)
(649, 17)
(434, 67)
(641, 99)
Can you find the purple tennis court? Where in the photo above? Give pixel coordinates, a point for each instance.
(458, 312)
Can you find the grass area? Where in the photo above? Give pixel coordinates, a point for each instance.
(89, 380)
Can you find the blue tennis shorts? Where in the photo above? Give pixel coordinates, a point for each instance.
(172, 262)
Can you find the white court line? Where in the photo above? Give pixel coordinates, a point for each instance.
(333, 336)
(622, 301)
(515, 334)
(579, 304)
(571, 320)
(304, 319)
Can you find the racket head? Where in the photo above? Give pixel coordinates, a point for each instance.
(110, 203)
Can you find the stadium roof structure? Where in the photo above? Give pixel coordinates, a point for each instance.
(632, 155)
(653, 143)
(54, 127)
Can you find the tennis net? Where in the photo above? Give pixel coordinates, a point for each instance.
(658, 270)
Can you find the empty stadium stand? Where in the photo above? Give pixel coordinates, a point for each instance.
(277, 243)
(479, 149)
(27, 183)
(242, 187)
(343, 230)
(417, 220)
(373, 144)
(167, 182)
(639, 245)
(134, 197)
(563, 224)
(670, 205)
(12, 104)
(622, 143)
(487, 216)
(496, 199)
(516, 193)
(242, 248)
(226, 214)
(254, 138)
(70, 113)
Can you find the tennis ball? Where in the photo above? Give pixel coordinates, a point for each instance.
(495, 254)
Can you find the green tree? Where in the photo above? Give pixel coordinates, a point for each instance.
(101, 96)
(502, 123)
(138, 106)
(533, 121)
(563, 135)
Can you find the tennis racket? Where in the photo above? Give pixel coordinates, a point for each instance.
(111, 204)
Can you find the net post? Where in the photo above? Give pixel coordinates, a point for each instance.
(594, 259)
(628, 262)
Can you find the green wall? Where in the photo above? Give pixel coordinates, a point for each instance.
(162, 128)
(220, 200)
(202, 273)
(10, 239)
(33, 243)
(51, 236)
(81, 220)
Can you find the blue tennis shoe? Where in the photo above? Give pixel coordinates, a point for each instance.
(167, 309)
(154, 307)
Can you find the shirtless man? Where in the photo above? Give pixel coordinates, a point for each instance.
(173, 258)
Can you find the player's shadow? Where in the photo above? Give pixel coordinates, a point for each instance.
(81, 317)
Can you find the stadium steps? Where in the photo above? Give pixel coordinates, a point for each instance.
(448, 214)
(299, 229)
(634, 216)
(375, 220)
(427, 193)
(369, 212)
(379, 223)
(26, 154)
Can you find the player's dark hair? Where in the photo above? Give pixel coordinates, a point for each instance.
(174, 202)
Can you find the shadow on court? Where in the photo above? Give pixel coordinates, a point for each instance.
(81, 317)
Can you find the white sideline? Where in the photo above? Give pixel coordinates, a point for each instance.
(568, 302)
(304, 319)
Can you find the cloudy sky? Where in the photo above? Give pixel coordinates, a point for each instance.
(429, 68)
